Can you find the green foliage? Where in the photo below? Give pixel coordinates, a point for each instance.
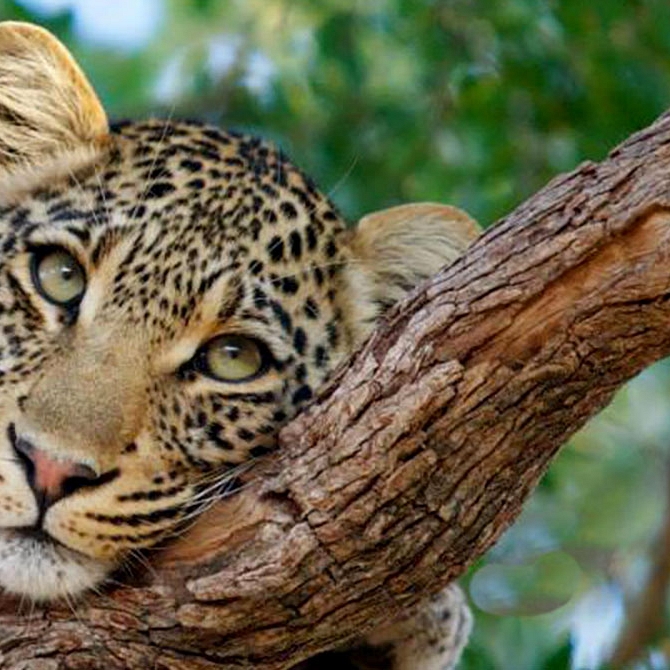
(479, 104)
(471, 102)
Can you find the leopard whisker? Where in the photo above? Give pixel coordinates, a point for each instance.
(190, 519)
(218, 477)
(159, 145)
(138, 557)
(103, 197)
(340, 182)
(79, 185)
(98, 641)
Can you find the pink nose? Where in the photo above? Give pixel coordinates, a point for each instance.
(52, 479)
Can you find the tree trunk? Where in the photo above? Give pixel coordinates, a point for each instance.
(419, 452)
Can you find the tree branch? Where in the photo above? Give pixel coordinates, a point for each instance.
(419, 452)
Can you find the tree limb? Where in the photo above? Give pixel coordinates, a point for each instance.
(419, 452)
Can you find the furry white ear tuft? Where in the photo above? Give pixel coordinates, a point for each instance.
(51, 120)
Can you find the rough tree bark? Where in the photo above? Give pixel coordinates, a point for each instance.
(418, 454)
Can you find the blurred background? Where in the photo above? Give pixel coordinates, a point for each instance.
(479, 104)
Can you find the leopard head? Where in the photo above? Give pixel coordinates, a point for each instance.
(170, 295)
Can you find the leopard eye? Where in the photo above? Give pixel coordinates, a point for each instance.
(233, 358)
(58, 276)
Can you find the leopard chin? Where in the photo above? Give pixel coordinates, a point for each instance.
(34, 566)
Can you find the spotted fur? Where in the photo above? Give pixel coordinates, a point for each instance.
(184, 233)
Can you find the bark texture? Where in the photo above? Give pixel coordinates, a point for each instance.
(418, 454)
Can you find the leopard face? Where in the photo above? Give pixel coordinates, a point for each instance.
(170, 295)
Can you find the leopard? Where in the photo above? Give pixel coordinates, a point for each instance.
(171, 294)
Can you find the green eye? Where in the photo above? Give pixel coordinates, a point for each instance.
(233, 358)
(58, 276)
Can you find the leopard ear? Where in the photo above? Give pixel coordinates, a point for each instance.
(51, 120)
(395, 249)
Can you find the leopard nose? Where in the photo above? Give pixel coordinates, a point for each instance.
(50, 478)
